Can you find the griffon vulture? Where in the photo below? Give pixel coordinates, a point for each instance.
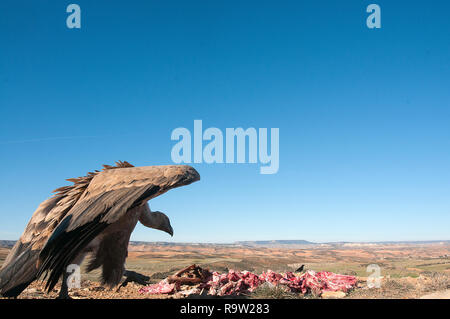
(96, 215)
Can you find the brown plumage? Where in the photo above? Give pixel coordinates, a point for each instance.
(96, 214)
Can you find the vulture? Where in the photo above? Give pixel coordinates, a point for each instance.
(96, 215)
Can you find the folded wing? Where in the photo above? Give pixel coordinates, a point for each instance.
(109, 196)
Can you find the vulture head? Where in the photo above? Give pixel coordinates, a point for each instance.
(160, 221)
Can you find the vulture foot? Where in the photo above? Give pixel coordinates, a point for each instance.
(63, 295)
(132, 276)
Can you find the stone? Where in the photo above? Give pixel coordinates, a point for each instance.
(333, 294)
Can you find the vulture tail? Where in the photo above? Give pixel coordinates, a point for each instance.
(19, 272)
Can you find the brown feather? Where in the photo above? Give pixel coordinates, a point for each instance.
(21, 265)
(64, 225)
(109, 196)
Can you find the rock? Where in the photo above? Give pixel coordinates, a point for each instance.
(361, 278)
(438, 295)
(31, 291)
(333, 294)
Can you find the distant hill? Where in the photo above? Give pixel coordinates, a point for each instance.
(256, 243)
(275, 243)
(143, 245)
(409, 242)
(7, 243)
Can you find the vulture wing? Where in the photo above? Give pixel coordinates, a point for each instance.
(108, 197)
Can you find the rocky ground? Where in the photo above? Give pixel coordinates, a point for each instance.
(430, 285)
(408, 270)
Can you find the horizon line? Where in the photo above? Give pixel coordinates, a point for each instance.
(281, 240)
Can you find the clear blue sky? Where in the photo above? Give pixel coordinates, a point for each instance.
(364, 115)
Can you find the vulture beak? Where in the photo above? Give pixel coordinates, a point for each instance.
(170, 231)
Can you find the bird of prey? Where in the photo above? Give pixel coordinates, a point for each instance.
(95, 215)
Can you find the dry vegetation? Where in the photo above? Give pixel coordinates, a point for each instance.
(409, 271)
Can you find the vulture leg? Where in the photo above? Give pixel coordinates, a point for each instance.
(132, 276)
(64, 292)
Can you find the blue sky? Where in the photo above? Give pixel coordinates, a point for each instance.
(363, 113)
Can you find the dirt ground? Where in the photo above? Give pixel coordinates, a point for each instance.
(407, 270)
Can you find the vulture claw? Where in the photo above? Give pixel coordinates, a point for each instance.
(132, 276)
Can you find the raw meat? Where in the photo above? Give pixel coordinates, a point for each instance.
(236, 282)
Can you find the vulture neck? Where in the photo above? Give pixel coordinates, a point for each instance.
(149, 219)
